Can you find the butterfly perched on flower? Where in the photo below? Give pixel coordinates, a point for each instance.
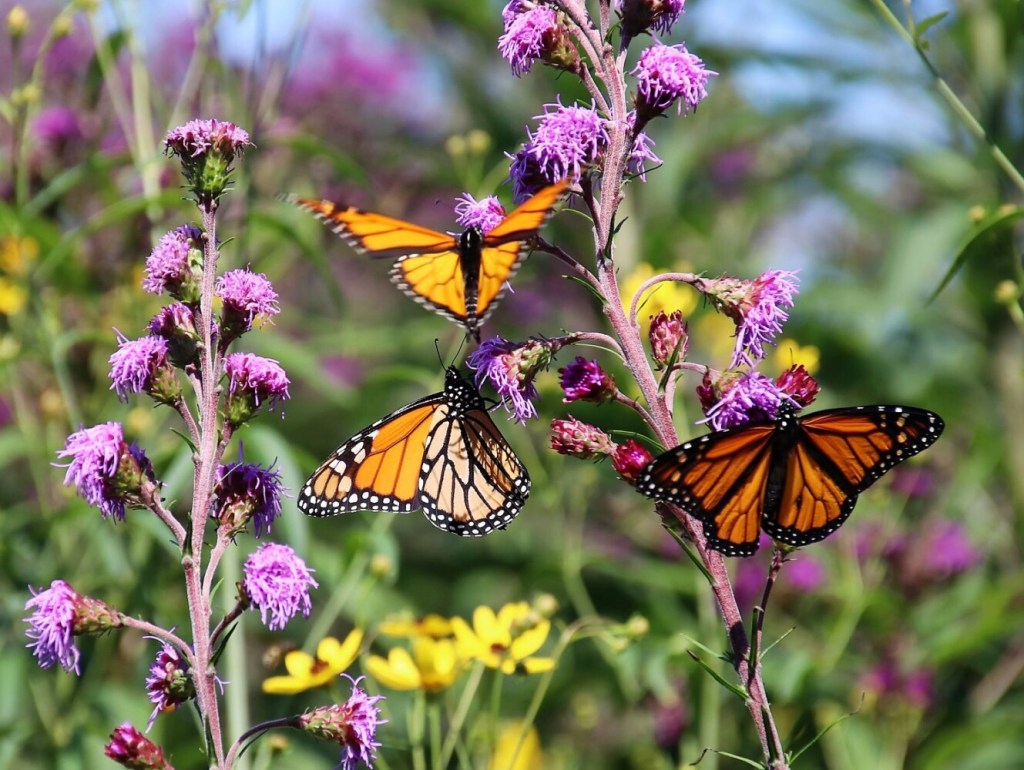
(797, 477)
(461, 277)
(441, 453)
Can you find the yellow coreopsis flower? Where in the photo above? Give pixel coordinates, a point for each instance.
(505, 640)
(433, 666)
(432, 625)
(506, 757)
(789, 352)
(306, 672)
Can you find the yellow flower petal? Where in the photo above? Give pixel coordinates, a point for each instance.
(506, 757)
(537, 665)
(340, 655)
(397, 672)
(488, 628)
(432, 625)
(530, 640)
(284, 685)
(298, 663)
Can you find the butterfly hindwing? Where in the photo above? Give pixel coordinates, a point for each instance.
(442, 453)
(798, 478)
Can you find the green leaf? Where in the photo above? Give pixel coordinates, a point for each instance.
(924, 25)
(735, 689)
(977, 244)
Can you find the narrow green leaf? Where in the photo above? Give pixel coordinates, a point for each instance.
(735, 689)
(924, 25)
(821, 734)
(978, 243)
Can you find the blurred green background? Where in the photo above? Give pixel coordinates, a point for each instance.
(825, 146)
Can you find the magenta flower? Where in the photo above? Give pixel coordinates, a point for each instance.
(584, 380)
(245, 492)
(945, 550)
(886, 680)
(352, 725)
(140, 365)
(484, 214)
(567, 141)
(525, 174)
(750, 397)
(57, 126)
(52, 626)
(277, 582)
(805, 573)
(206, 149)
(104, 469)
(176, 323)
(630, 458)
(252, 381)
(132, 749)
(797, 383)
(173, 263)
(246, 296)
(578, 439)
(533, 31)
(169, 683)
(641, 155)
(641, 15)
(511, 368)
(669, 337)
(666, 75)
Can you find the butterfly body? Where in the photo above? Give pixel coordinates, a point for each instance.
(462, 278)
(797, 477)
(441, 453)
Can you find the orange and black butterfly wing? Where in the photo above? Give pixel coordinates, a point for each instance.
(437, 281)
(472, 481)
(833, 456)
(378, 469)
(506, 246)
(721, 479)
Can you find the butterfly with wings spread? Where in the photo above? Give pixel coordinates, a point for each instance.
(441, 453)
(462, 278)
(798, 478)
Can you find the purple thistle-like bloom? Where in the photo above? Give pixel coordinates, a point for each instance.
(52, 626)
(277, 582)
(176, 323)
(946, 550)
(253, 380)
(525, 174)
(352, 725)
(669, 336)
(202, 137)
(168, 268)
(584, 380)
(642, 153)
(246, 295)
(529, 30)
(798, 383)
(805, 573)
(630, 458)
(751, 397)
(666, 74)
(244, 492)
(169, 683)
(136, 363)
(640, 15)
(763, 315)
(511, 368)
(96, 454)
(567, 140)
(574, 438)
(57, 126)
(484, 214)
(132, 749)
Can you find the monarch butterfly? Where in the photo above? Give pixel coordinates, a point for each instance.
(797, 477)
(442, 453)
(462, 278)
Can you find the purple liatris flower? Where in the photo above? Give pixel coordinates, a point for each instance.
(169, 683)
(630, 458)
(352, 725)
(667, 75)
(141, 365)
(805, 573)
(132, 749)
(641, 153)
(749, 397)
(61, 613)
(584, 380)
(525, 174)
(245, 492)
(797, 383)
(176, 323)
(947, 550)
(641, 15)
(246, 296)
(534, 31)
(277, 582)
(106, 471)
(578, 439)
(252, 381)
(567, 141)
(174, 264)
(511, 368)
(57, 127)
(669, 337)
(207, 149)
(484, 214)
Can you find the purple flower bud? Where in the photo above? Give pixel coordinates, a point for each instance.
(797, 383)
(252, 380)
(132, 749)
(277, 582)
(169, 683)
(106, 471)
(584, 380)
(578, 439)
(666, 75)
(484, 214)
(630, 458)
(174, 264)
(176, 323)
(245, 492)
(352, 725)
(246, 295)
(141, 365)
(669, 337)
(511, 368)
(60, 614)
(749, 397)
(640, 15)
(207, 149)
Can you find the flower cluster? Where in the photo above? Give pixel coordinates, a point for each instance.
(352, 725)
(169, 683)
(534, 30)
(511, 368)
(207, 148)
(277, 582)
(245, 492)
(483, 215)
